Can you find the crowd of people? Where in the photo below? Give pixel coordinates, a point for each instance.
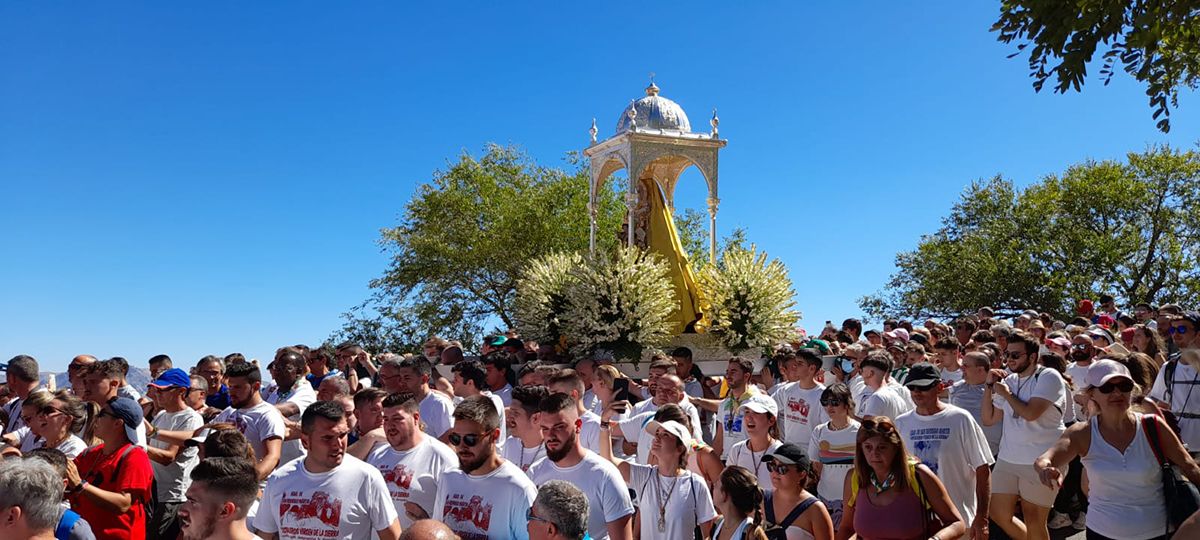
(995, 426)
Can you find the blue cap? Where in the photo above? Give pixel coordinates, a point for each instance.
(130, 414)
(173, 377)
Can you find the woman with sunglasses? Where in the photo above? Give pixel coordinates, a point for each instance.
(890, 495)
(674, 501)
(1125, 498)
(60, 416)
(789, 505)
(832, 446)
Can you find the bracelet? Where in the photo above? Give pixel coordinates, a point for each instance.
(78, 488)
(606, 424)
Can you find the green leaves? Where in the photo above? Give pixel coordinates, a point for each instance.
(1156, 41)
(1130, 229)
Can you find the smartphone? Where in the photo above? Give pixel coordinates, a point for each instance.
(621, 391)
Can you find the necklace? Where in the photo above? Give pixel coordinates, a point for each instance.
(663, 501)
(536, 451)
(885, 485)
(1021, 385)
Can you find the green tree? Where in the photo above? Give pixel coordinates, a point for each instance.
(1155, 41)
(1130, 229)
(464, 238)
(692, 226)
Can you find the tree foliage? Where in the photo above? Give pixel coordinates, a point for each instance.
(692, 226)
(464, 239)
(1155, 41)
(1130, 229)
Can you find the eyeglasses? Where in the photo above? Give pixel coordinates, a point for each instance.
(1123, 386)
(470, 439)
(832, 402)
(1181, 330)
(530, 517)
(1015, 354)
(778, 468)
(1080, 346)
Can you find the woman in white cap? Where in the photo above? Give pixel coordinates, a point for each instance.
(673, 500)
(788, 505)
(1118, 450)
(759, 420)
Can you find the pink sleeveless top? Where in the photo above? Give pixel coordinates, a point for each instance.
(904, 519)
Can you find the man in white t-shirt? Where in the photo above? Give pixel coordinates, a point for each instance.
(949, 360)
(799, 402)
(470, 379)
(948, 441)
(486, 497)
(436, 408)
(409, 455)
(498, 365)
(1030, 403)
(221, 493)
(611, 511)
(668, 389)
(729, 412)
(1082, 353)
(884, 399)
(291, 395)
(172, 462)
(524, 445)
(569, 382)
(326, 494)
(1180, 376)
(258, 420)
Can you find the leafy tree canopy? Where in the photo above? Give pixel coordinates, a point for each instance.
(1155, 41)
(1130, 229)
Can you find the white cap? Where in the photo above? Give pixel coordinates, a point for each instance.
(761, 403)
(674, 428)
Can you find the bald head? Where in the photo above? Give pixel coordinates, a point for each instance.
(669, 390)
(428, 529)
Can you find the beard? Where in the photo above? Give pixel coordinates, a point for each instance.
(1081, 356)
(564, 449)
(469, 466)
(198, 531)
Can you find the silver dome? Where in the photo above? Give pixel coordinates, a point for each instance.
(654, 112)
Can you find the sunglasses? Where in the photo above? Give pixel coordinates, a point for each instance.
(778, 468)
(1177, 330)
(1015, 354)
(1080, 346)
(834, 402)
(530, 517)
(1123, 386)
(471, 439)
(926, 388)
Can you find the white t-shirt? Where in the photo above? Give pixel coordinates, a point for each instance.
(1183, 384)
(399, 468)
(951, 444)
(729, 419)
(488, 506)
(302, 395)
(1078, 376)
(1023, 440)
(505, 394)
(514, 451)
(437, 411)
(951, 377)
(599, 479)
(173, 479)
(886, 401)
(129, 392)
(742, 456)
(500, 406)
(800, 411)
(589, 431)
(592, 402)
(859, 389)
(835, 450)
(688, 502)
(72, 446)
(258, 423)
(349, 502)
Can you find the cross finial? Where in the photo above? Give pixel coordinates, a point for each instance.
(651, 77)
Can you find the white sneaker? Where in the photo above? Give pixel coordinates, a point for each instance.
(1058, 521)
(1080, 522)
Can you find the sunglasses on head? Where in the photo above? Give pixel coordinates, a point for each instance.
(778, 468)
(470, 439)
(1124, 386)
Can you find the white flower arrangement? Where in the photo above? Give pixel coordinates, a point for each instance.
(751, 305)
(620, 303)
(539, 308)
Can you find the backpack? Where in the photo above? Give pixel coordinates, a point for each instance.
(1169, 382)
(65, 523)
(777, 530)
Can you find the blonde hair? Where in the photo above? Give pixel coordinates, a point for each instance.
(607, 375)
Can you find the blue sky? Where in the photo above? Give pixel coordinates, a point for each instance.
(211, 177)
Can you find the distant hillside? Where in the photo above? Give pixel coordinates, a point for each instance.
(138, 378)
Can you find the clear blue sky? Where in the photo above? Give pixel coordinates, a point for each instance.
(211, 177)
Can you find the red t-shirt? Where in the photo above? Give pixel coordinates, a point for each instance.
(135, 477)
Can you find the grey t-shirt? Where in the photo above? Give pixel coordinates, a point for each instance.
(173, 480)
(970, 397)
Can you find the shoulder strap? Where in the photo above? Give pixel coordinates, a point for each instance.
(769, 505)
(797, 511)
(65, 524)
(1169, 379)
(853, 487)
(918, 486)
(1150, 427)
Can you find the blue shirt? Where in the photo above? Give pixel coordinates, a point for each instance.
(219, 400)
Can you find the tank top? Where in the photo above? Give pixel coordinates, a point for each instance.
(904, 519)
(1125, 498)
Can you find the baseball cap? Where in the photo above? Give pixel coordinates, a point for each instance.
(819, 344)
(1060, 341)
(899, 334)
(130, 414)
(789, 454)
(173, 377)
(1102, 371)
(761, 403)
(1192, 317)
(496, 341)
(922, 374)
(672, 427)
(871, 331)
(1098, 332)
